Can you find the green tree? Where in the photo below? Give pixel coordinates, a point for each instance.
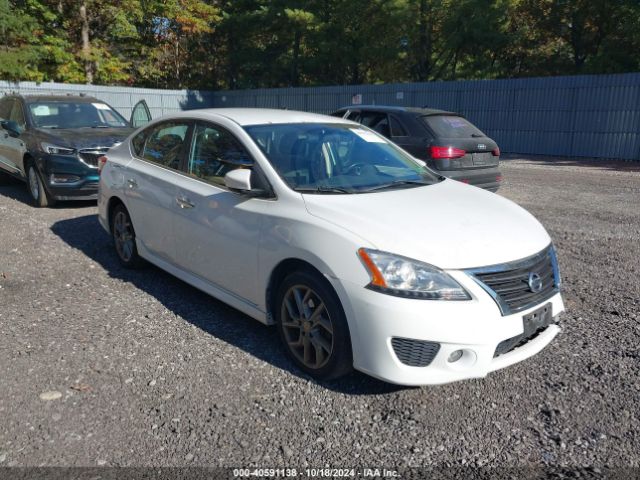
(19, 52)
(213, 44)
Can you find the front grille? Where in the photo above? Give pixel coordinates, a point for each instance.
(90, 155)
(509, 284)
(415, 353)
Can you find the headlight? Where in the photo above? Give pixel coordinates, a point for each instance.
(396, 275)
(56, 150)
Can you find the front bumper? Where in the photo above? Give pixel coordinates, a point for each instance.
(86, 186)
(85, 189)
(475, 326)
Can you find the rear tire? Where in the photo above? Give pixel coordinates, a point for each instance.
(40, 198)
(312, 326)
(124, 238)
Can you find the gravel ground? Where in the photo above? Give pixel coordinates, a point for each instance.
(104, 366)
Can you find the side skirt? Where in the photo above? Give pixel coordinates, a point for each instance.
(200, 283)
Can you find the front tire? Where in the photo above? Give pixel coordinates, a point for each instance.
(124, 238)
(39, 196)
(312, 326)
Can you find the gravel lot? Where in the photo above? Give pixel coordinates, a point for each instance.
(103, 366)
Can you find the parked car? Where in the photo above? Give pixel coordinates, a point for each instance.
(447, 141)
(360, 255)
(53, 143)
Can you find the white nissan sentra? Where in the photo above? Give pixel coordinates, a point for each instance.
(359, 254)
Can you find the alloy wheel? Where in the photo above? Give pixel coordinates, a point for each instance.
(307, 326)
(123, 236)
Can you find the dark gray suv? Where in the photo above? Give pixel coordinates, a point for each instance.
(53, 143)
(447, 141)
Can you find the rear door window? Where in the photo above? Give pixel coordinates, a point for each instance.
(371, 119)
(452, 126)
(354, 116)
(377, 121)
(397, 130)
(165, 144)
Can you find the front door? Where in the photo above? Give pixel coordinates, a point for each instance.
(140, 115)
(217, 230)
(12, 148)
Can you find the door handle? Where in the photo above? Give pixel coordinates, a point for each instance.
(6, 135)
(131, 183)
(184, 202)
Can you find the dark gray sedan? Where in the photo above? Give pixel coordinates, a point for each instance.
(447, 141)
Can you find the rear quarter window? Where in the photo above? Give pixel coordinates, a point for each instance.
(137, 143)
(451, 126)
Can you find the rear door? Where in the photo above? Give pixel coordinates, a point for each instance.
(402, 136)
(457, 132)
(151, 184)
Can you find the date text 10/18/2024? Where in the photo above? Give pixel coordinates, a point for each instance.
(315, 472)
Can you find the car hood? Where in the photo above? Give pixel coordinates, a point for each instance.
(84, 137)
(449, 225)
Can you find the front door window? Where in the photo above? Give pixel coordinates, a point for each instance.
(214, 153)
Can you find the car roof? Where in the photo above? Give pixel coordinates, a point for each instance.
(391, 108)
(259, 116)
(59, 98)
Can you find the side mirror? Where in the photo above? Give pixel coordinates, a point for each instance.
(238, 179)
(12, 127)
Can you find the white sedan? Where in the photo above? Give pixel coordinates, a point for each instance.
(360, 255)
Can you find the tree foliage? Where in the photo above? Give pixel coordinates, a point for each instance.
(216, 44)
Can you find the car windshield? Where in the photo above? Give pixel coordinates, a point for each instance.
(66, 114)
(336, 158)
(452, 126)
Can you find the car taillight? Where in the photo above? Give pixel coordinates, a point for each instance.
(101, 162)
(496, 152)
(446, 152)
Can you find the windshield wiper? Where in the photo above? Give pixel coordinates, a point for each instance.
(396, 183)
(322, 189)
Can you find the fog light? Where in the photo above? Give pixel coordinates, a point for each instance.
(455, 356)
(63, 178)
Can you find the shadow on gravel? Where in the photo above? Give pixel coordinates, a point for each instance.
(210, 315)
(17, 190)
(601, 163)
